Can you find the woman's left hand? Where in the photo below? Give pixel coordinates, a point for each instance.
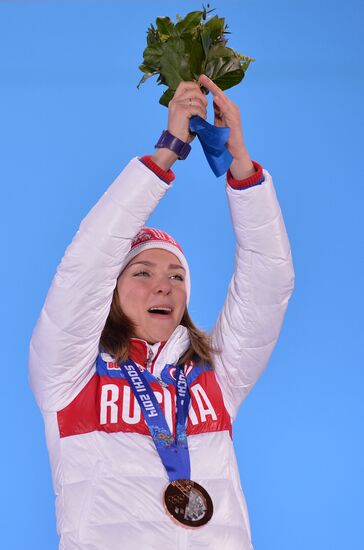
(227, 114)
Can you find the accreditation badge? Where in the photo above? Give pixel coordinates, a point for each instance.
(188, 503)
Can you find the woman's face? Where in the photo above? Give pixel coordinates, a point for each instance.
(152, 294)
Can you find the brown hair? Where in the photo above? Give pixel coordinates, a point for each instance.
(119, 329)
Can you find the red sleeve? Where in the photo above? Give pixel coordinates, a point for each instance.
(255, 179)
(167, 176)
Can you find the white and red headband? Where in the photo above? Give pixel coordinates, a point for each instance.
(149, 237)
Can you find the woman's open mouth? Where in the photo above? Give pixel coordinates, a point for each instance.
(162, 311)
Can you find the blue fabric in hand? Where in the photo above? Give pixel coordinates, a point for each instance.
(213, 141)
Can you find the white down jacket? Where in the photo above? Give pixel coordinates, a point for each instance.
(108, 477)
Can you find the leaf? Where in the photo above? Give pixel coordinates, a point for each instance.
(218, 67)
(175, 63)
(152, 55)
(206, 11)
(219, 50)
(166, 97)
(145, 68)
(189, 22)
(197, 57)
(206, 40)
(161, 80)
(230, 79)
(164, 25)
(145, 77)
(151, 35)
(216, 27)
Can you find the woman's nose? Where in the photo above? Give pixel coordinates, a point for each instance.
(163, 287)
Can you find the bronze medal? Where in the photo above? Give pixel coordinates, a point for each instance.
(188, 503)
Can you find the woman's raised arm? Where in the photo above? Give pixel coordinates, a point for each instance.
(65, 340)
(249, 324)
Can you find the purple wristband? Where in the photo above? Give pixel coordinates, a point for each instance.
(175, 144)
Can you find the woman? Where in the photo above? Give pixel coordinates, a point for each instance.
(115, 322)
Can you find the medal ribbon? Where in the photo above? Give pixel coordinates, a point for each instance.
(213, 141)
(173, 452)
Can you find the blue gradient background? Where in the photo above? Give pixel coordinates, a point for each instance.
(70, 119)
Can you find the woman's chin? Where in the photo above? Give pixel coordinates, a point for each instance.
(160, 336)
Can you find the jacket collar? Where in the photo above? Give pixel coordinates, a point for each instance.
(144, 354)
(154, 357)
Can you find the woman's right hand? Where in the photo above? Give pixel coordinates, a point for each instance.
(187, 101)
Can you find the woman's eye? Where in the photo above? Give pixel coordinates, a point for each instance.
(177, 277)
(141, 274)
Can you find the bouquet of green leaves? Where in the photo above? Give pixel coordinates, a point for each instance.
(195, 45)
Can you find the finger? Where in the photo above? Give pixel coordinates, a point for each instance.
(185, 86)
(211, 86)
(222, 102)
(195, 110)
(189, 101)
(225, 105)
(188, 104)
(217, 111)
(193, 94)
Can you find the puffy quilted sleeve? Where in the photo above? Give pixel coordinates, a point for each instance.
(65, 340)
(248, 326)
